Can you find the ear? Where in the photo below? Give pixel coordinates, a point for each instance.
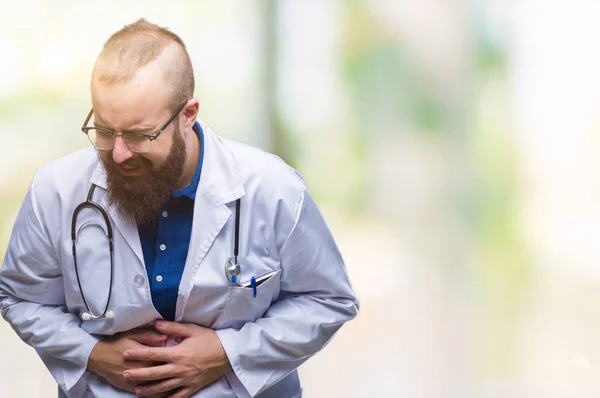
(190, 113)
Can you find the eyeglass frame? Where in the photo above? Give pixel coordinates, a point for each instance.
(151, 137)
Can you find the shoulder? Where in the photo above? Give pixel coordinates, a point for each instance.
(265, 173)
(57, 186)
(275, 191)
(65, 173)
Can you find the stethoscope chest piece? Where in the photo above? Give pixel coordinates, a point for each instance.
(233, 270)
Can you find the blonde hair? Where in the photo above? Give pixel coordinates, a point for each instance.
(135, 46)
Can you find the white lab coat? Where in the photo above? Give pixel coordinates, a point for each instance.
(296, 311)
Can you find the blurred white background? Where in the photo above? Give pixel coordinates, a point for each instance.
(452, 145)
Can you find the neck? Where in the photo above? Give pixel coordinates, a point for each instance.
(191, 163)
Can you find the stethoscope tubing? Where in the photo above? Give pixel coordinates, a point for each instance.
(91, 204)
(232, 270)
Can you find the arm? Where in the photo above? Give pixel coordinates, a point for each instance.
(32, 300)
(316, 299)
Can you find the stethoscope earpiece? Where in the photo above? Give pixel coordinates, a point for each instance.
(86, 316)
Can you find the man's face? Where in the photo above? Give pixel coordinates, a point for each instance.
(139, 183)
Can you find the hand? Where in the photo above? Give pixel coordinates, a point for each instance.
(106, 359)
(189, 366)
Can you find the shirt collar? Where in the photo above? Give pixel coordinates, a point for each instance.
(190, 190)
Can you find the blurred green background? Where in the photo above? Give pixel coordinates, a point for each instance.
(452, 146)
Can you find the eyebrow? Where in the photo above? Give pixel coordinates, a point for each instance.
(135, 129)
(140, 130)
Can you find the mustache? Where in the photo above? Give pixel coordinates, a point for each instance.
(136, 161)
(139, 198)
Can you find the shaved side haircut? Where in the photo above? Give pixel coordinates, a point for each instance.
(135, 46)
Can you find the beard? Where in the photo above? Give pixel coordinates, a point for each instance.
(140, 198)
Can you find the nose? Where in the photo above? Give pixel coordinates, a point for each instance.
(121, 151)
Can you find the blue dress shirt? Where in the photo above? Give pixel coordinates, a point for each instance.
(166, 239)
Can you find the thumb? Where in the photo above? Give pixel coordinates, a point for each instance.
(174, 328)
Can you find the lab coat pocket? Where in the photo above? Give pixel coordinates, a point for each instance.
(241, 305)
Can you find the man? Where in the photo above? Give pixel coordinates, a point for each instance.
(161, 308)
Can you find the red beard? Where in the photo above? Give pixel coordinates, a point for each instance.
(140, 198)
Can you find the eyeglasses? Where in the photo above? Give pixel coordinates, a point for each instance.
(104, 138)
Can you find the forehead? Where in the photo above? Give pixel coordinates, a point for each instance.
(142, 101)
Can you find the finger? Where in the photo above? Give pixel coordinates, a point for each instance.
(129, 365)
(175, 328)
(184, 392)
(158, 387)
(148, 337)
(152, 373)
(151, 354)
(157, 395)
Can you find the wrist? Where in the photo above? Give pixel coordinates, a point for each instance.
(222, 358)
(92, 363)
(225, 364)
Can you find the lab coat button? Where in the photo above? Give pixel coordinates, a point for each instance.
(159, 278)
(165, 214)
(163, 247)
(139, 280)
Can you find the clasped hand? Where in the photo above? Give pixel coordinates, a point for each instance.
(175, 372)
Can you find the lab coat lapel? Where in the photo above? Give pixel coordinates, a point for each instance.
(219, 185)
(127, 228)
(209, 219)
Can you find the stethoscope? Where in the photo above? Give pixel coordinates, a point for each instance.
(89, 315)
(232, 266)
(233, 270)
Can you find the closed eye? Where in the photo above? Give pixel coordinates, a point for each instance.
(138, 134)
